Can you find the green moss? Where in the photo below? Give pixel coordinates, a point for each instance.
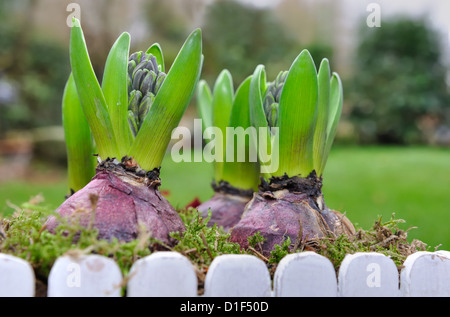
(384, 237)
(256, 240)
(280, 251)
(200, 243)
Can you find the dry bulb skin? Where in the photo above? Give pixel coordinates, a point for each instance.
(227, 205)
(119, 202)
(289, 207)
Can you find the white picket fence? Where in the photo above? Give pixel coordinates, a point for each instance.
(169, 274)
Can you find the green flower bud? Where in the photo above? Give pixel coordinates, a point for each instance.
(136, 57)
(145, 105)
(132, 122)
(272, 115)
(134, 100)
(138, 76)
(159, 81)
(148, 82)
(272, 98)
(131, 65)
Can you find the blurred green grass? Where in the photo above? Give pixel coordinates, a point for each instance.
(412, 182)
(363, 182)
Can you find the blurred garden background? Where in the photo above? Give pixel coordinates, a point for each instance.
(392, 151)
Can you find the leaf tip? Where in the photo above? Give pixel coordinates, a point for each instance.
(196, 35)
(126, 36)
(225, 74)
(197, 32)
(76, 22)
(325, 63)
(305, 52)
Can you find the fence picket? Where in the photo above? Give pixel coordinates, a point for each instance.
(444, 253)
(170, 274)
(84, 276)
(16, 277)
(426, 274)
(369, 275)
(238, 275)
(305, 274)
(162, 274)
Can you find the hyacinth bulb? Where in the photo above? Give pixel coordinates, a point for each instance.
(289, 207)
(226, 205)
(120, 201)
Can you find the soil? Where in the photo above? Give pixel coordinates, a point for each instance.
(310, 185)
(41, 288)
(226, 188)
(128, 166)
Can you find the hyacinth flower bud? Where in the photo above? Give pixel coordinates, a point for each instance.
(272, 98)
(144, 81)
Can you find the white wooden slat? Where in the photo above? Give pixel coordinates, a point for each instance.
(16, 277)
(297, 275)
(426, 274)
(237, 275)
(368, 274)
(84, 276)
(305, 274)
(162, 274)
(444, 253)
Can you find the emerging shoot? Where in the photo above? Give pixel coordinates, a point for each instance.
(131, 118)
(305, 106)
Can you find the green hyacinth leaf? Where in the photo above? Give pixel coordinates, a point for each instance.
(241, 167)
(204, 103)
(169, 105)
(297, 118)
(156, 51)
(81, 161)
(258, 120)
(320, 134)
(91, 96)
(257, 90)
(114, 86)
(223, 94)
(336, 104)
(222, 103)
